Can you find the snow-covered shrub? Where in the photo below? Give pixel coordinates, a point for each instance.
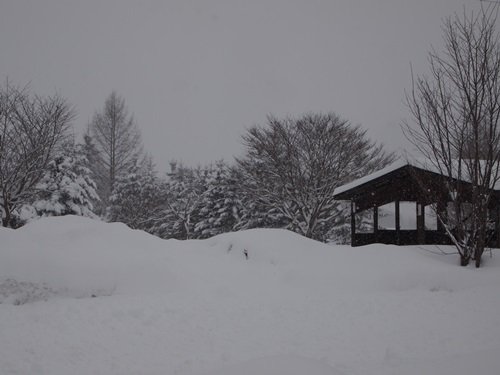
(66, 188)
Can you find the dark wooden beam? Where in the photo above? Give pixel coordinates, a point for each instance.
(441, 213)
(398, 222)
(421, 223)
(497, 226)
(353, 223)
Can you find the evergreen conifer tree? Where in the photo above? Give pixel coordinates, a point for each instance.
(66, 187)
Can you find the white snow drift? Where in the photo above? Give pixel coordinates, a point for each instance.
(81, 296)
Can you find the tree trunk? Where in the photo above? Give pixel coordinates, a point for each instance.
(464, 260)
(481, 241)
(479, 249)
(478, 257)
(7, 218)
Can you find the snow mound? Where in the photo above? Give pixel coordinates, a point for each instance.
(73, 256)
(79, 257)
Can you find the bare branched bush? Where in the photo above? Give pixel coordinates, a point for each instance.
(31, 129)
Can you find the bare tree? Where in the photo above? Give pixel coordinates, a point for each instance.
(294, 165)
(456, 111)
(31, 128)
(117, 140)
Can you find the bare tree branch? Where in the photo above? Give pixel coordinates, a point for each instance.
(31, 129)
(456, 112)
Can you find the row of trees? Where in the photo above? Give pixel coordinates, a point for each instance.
(43, 171)
(285, 178)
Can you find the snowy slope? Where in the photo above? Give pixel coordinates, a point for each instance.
(81, 296)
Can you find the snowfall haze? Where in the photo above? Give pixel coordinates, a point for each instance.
(195, 74)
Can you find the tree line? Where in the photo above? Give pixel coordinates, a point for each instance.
(284, 179)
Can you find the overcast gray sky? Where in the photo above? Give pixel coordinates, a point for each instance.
(195, 74)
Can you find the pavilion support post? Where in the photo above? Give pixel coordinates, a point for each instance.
(420, 223)
(497, 227)
(398, 224)
(353, 223)
(442, 214)
(441, 211)
(375, 222)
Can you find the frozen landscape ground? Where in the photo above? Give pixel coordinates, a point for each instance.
(79, 296)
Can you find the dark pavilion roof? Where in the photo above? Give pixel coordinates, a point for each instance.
(403, 180)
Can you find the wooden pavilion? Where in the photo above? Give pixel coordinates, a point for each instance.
(402, 183)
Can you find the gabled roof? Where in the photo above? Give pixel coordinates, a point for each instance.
(368, 178)
(396, 169)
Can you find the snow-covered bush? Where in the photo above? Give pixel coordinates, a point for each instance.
(66, 187)
(138, 198)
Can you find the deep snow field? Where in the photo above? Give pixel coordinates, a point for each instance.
(79, 296)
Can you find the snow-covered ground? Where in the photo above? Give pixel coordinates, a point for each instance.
(79, 296)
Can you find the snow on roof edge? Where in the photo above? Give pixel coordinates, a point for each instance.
(422, 163)
(372, 176)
